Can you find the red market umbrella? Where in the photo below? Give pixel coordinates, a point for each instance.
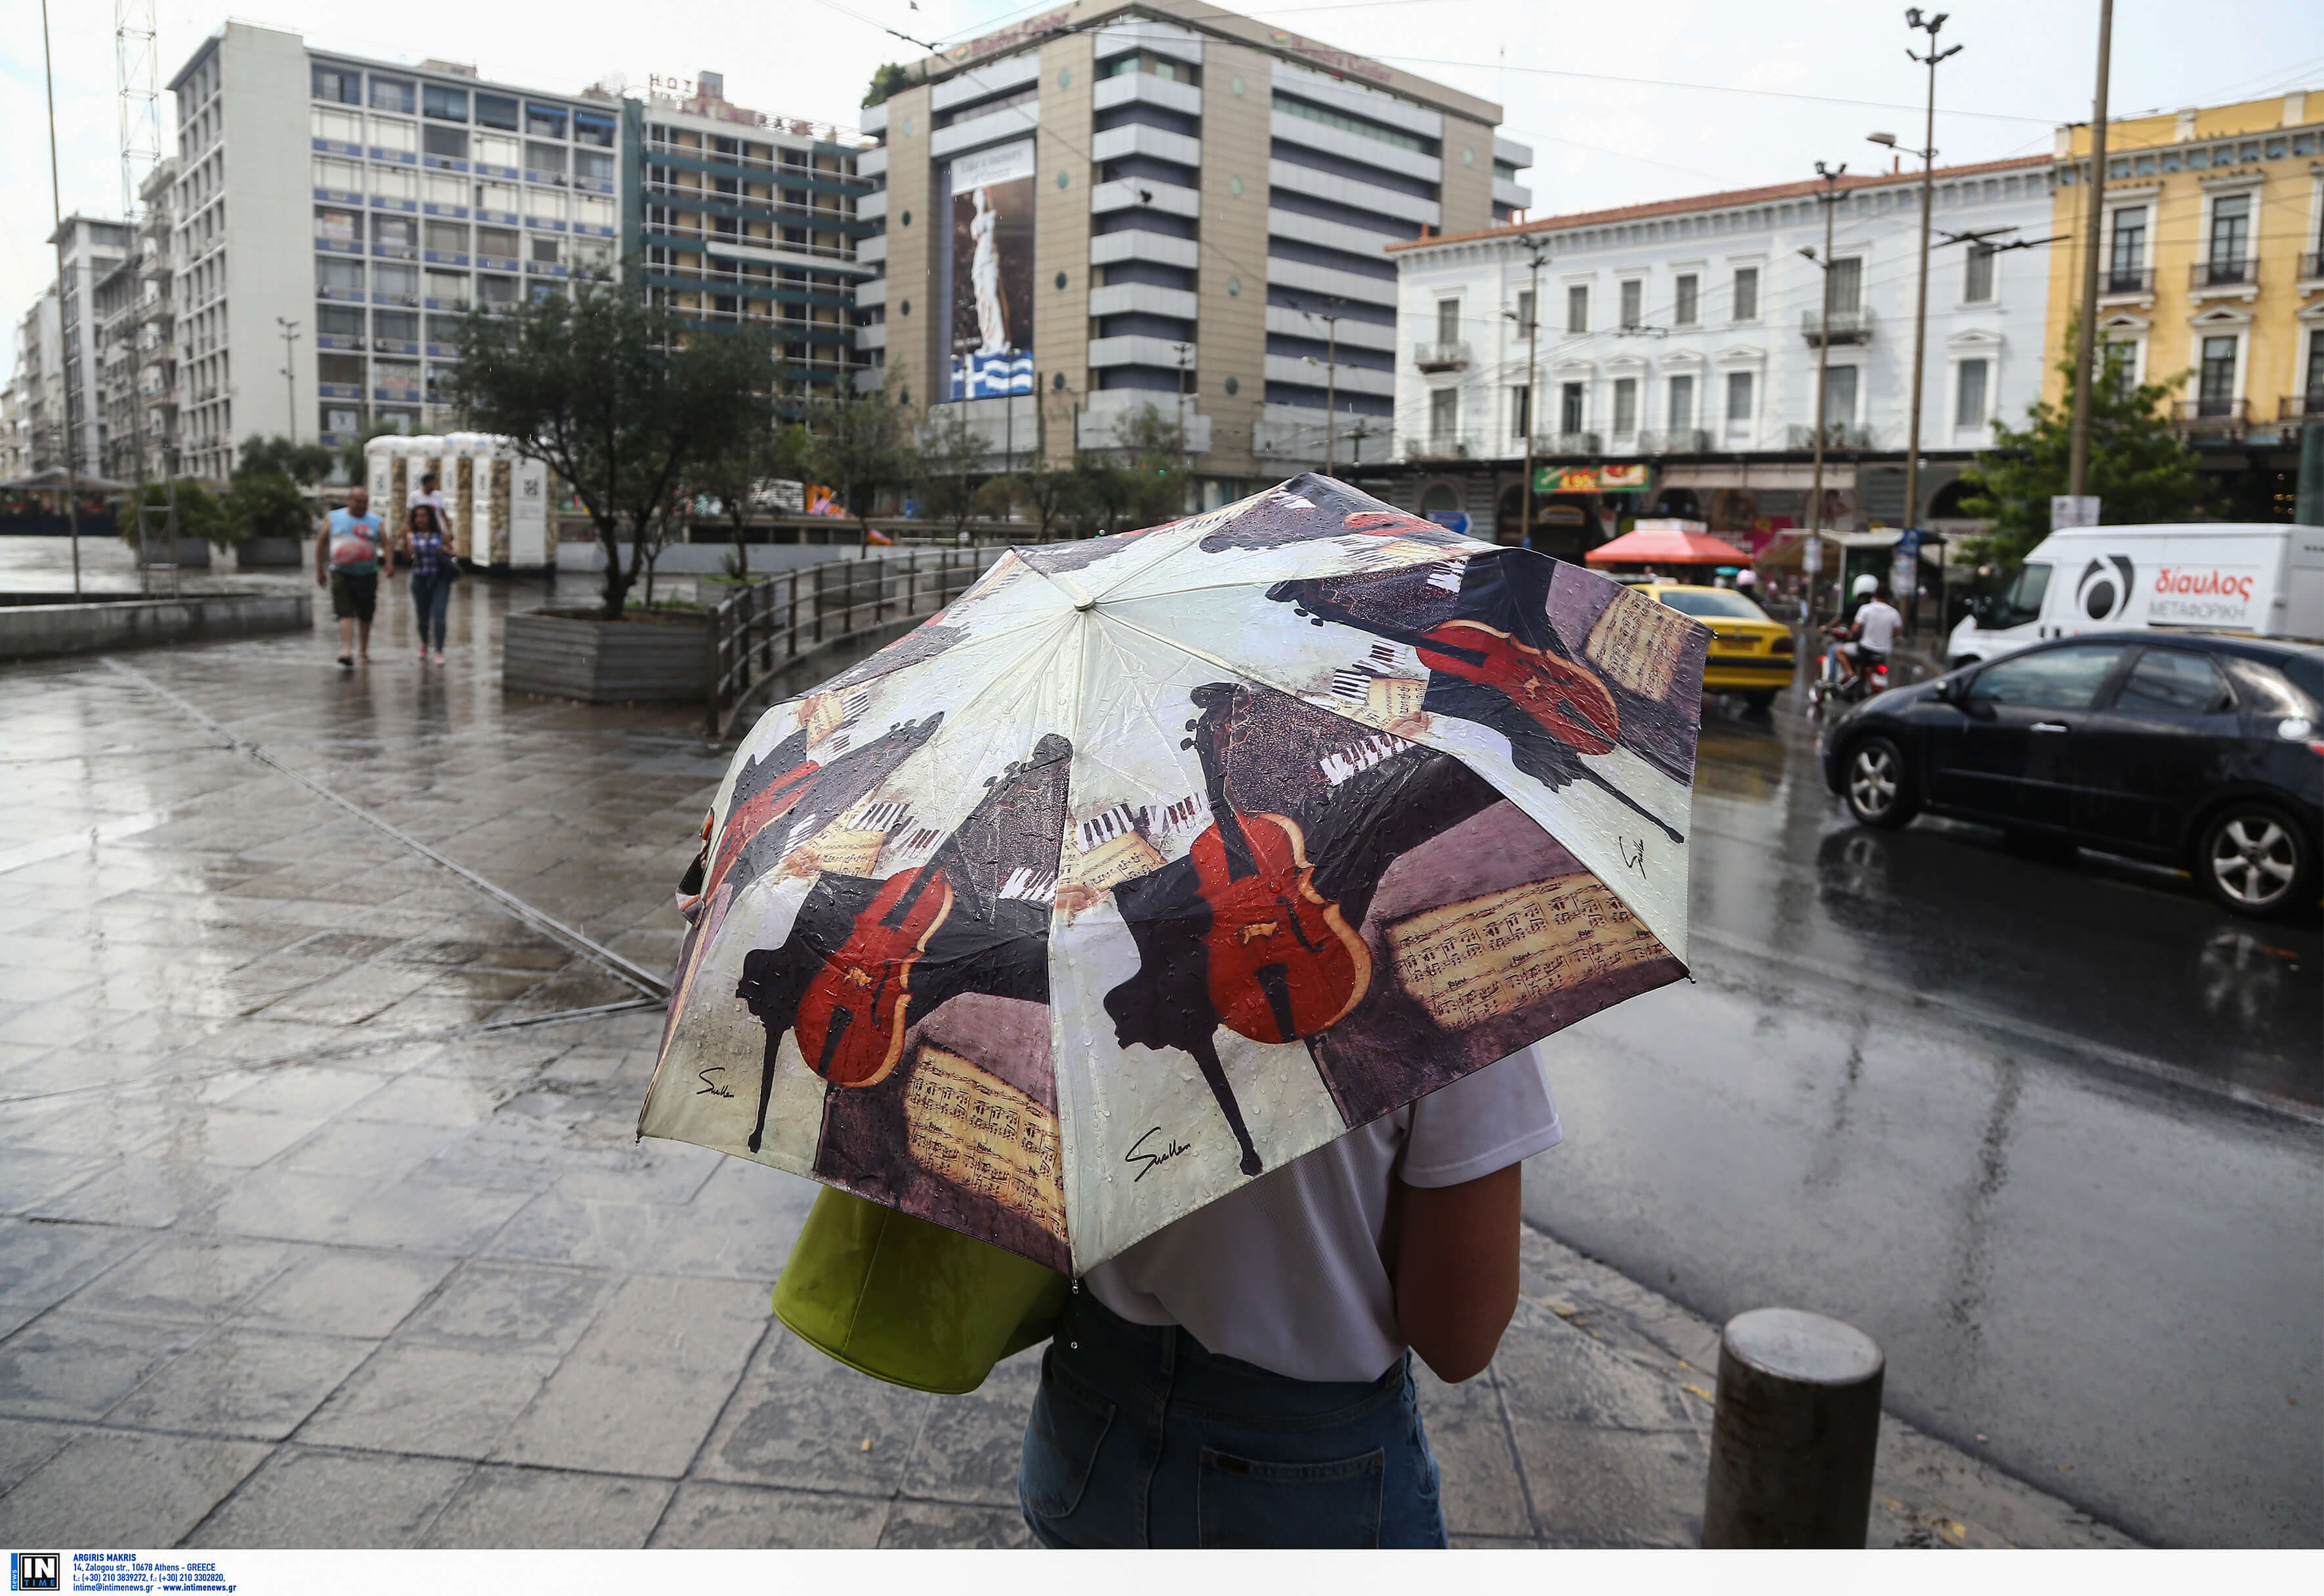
(1664, 546)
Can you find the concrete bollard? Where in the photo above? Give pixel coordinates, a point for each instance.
(1798, 1424)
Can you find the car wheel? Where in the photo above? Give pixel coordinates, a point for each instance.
(1879, 784)
(2253, 860)
(1758, 700)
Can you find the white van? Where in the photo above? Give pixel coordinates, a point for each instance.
(2262, 580)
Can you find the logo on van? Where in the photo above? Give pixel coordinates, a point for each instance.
(2104, 591)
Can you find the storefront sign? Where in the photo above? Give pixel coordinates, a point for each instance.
(1591, 479)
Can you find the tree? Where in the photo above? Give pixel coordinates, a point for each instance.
(305, 464)
(351, 453)
(1139, 482)
(619, 395)
(860, 446)
(951, 452)
(199, 514)
(1051, 492)
(2140, 469)
(770, 447)
(892, 77)
(266, 504)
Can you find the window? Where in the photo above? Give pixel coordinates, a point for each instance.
(2230, 234)
(499, 197)
(340, 177)
(448, 192)
(496, 241)
(1977, 275)
(450, 142)
(1525, 314)
(2173, 681)
(341, 371)
(1682, 403)
(449, 237)
(1739, 401)
(2315, 388)
(339, 86)
(497, 151)
(337, 420)
(545, 250)
(2019, 603)
(546, 159)
(2215, 389)
(593, 163)
(400, 325)
(2056, 678)
(394, 283)
(590, 128)
(331, 274)
(395, 231)
(390, 94)
(1634, 294)
(1520, 411)
(445, 104)
(1746, 293)
(339, 321)
(1443, 417)
(444, 331)
(448, 289)
(1968, 395)
(1684, 300)
(340, 127)
(494, 110)
(495, 291)
(544, 122)
(1577, 308)
(1571, 407)
(2126, 251)
(546, 204)
(1448, 321)
(1847, 285)
(593, 211)
(340, 226)
(394, 182)
(387, 134)
(1626, 406)
(1839, 397)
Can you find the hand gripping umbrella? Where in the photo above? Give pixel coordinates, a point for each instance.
(1159, 860)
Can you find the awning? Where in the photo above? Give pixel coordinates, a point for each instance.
(1665, 546)
(1836, 477)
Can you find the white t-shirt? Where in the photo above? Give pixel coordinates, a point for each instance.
(1879, 622)
(1286, 1272)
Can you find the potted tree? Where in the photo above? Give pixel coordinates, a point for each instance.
(621, 397)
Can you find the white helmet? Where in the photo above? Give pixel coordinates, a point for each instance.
(1866, 585)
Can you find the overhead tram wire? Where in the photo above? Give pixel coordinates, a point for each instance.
(1772, 94)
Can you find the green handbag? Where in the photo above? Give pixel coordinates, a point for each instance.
(909, 1302)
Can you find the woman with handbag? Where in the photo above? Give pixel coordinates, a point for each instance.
(433, 571)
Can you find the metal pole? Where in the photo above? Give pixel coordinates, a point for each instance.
(56, 214)
(1796, 1432)
(1533, 348)
(1921, 307)
(1824, 365)
(289, 369)
(2086, 336)
(1330, 388)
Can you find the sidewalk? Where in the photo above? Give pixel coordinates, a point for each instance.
(321, 1223)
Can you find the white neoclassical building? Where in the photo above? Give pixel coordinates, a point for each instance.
(1684, 337)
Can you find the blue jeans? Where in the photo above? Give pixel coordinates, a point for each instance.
(430, 595)
(1139, 1437)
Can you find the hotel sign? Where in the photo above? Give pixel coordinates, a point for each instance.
(1323, 55)
(1009, 38)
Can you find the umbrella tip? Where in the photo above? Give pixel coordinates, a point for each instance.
(1087, 604)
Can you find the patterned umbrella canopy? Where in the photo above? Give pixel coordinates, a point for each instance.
(1159, 860)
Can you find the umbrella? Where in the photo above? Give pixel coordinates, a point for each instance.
(1668, 545)
(1159, 859)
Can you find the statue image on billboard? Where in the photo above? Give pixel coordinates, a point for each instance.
(993, 272)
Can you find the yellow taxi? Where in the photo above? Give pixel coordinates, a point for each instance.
(1750, 653)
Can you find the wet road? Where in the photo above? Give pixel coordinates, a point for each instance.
(2050, 1130)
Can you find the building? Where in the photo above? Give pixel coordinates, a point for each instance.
(136, 341)
(91, 248)
(1669, 364)
(38, 385)
(740, 218)
(2211, 275)
(334, 215)
(1111, 205)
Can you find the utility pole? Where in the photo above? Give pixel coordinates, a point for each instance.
(1185, 352)
(1831, 197)
(1331, 320)
(290, 367)
(1928, 25)
(1529, 328)
(2086, 335)
(64, 341)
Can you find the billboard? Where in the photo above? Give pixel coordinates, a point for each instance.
(993, 272)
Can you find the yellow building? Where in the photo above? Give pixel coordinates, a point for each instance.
(2211, 271)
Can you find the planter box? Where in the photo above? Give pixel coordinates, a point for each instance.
(193, 553)
(626, 661)
(257, 553)
(59, 624)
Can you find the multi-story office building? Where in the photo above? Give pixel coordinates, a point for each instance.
(36, 440)
(740, 218)
(137, 342)
(2211, 275)
(1674, 348)
(92, 248)
(1127, 203)
(369, 203)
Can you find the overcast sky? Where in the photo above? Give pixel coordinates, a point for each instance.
(2026, 66)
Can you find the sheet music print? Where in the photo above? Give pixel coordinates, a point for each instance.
(1639, 642)
(1474, 961)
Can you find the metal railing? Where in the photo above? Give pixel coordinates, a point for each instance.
(1846, 326)
(1565, 443)
(2213, 415)
(1674, 440)
(761, 631)
(2299, 407)
(2223, 273)
(2127, 280)
(2311, 266)
(1441, 356)
(1837, 435)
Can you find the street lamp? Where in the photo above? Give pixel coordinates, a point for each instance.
(1831, 197)
(1928, 154)
(1330, 364)
(290, 382)
(1529, 327)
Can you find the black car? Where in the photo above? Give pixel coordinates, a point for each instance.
(2204, 752)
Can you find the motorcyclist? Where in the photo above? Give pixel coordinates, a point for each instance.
(1868, 630)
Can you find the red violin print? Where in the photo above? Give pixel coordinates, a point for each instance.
(770, 803)
(853, 1014)
(1283, 961)
(1570, 704)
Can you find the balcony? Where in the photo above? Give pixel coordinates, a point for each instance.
(2311, 268)
(2213, 418)
(2121, 282)
(1566, 443)
(1837, 435)
(2299, 407)
(1847, 326)
(2223, 273)
(1441, 356)
(1675, 440)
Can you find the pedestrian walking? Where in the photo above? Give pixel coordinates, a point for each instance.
(430, 493)
(348, 554)
(433, 572)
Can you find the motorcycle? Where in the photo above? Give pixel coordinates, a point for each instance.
(1827, 685)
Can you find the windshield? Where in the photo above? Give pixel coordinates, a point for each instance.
(2020, 602)
(1714, 602)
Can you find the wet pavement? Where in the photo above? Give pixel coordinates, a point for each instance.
(322, 1222)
